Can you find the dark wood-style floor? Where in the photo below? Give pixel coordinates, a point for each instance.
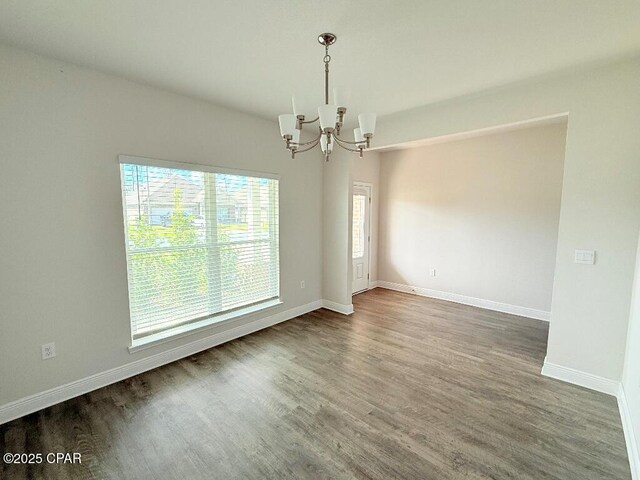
(407, 387)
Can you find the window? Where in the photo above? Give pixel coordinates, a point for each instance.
(200, 244)
(359, 201)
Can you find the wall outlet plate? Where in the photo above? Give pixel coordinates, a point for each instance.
(48, 350)
(302, 284)
(432, 272)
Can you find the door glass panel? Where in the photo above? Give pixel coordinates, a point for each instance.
(359, 203)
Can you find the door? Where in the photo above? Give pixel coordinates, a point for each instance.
(361, 236)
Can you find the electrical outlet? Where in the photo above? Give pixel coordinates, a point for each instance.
(302, 284)
(48, 350)
(432, 272)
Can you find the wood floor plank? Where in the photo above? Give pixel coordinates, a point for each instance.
(407, 387)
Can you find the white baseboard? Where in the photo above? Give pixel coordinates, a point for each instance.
(583, 379)
(38, 401)
(608, 386)
(338, 307)
(629, 435)
(475, 302)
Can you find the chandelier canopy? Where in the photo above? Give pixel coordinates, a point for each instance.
(331, 118)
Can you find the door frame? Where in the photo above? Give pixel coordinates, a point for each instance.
(357, 183)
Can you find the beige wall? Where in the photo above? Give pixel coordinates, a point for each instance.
(600, 196)
(483, 212)
(62, 269)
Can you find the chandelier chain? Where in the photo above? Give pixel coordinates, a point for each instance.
(326, 60)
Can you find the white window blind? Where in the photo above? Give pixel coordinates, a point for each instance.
(198, 244)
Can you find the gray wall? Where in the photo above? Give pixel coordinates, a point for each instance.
(63, 269)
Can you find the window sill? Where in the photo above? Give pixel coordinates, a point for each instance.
(191, 328)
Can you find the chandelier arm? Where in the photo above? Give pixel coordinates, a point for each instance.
(339, 143)
(311, 121)
(346, 141)
(316, 142)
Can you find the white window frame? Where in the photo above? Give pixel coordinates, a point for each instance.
(215, 319)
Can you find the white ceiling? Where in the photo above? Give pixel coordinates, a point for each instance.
(392, 55)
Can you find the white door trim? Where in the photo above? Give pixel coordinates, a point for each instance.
(357, 183)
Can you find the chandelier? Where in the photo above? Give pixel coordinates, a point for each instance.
(331, 118)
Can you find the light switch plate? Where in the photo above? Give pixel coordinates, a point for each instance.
(587, 257)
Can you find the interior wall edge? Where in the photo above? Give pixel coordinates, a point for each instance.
(338, 307)
(580, 378)
(609, 387)
(633, 448)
